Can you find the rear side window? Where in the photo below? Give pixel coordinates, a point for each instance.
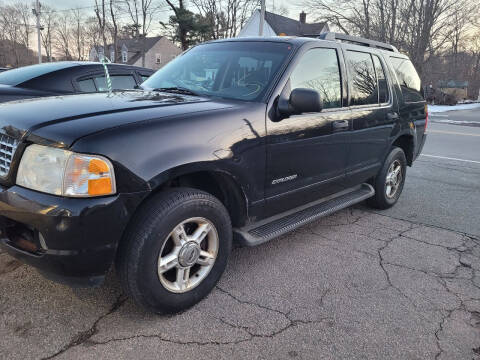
(318, 70)
(364, 82)
(119, 82)
(87, 85)
(381, 80)
(408, 79)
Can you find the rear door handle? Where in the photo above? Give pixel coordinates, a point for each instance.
(339, 125)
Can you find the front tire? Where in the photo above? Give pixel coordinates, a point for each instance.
(389, 181)
(175, 250)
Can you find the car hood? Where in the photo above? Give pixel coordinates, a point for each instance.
(63, 119)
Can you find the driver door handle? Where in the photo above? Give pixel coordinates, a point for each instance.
(339, 125)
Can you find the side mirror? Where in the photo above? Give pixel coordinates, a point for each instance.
(300, 101)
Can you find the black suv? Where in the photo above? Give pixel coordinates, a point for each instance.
(238, 140)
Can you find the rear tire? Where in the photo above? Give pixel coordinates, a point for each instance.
(388, 183)
(175, 250)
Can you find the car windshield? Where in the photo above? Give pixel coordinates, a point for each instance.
(234, 70)
(17, 76)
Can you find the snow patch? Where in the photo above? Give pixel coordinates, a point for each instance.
(445, 108)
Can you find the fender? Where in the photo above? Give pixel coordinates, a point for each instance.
(149, 153)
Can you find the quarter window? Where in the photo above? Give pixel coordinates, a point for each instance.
(87, 85)
(408, 78)
(318, 70)
(364, 82)
(119, 82)
(381, 81)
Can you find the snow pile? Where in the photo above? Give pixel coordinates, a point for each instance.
(444, 108)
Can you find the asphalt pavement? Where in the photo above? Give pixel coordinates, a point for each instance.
(398, 284)
(443, 186)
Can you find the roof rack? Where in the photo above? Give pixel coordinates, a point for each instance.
(355, 40)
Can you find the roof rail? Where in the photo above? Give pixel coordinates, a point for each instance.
(356, 40)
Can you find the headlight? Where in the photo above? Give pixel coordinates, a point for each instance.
(62, 172)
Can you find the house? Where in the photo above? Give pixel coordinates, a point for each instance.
(158, 51)
(278, 25)
(456, 88)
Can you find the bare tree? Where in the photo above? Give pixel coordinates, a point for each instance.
(48, 22)
(63, 36)
(226, 17)
(419, 27)
(114, 11)
(11, 31)
(142, 12)
(24, 16)
(100, 12)
(78, 34)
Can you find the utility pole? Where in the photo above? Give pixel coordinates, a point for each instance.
(262, 19)
(37, 13)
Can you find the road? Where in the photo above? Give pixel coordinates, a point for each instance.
(398, 284)
(443, 186)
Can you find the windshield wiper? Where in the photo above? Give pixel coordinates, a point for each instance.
(178, 90)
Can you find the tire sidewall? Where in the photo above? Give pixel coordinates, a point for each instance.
(147, 279)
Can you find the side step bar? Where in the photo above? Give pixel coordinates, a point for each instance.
(268, 229)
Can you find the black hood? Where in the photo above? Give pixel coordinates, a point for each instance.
(63, 119)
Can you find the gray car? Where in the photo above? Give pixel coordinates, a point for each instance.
(66, 78)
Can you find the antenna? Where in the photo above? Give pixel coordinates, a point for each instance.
(108, 81)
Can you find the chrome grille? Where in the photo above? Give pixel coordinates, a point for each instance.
(8, 145)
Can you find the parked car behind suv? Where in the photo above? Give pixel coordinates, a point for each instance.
(238, 140)
(67, 78)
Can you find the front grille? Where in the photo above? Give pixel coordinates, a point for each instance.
(8, 145)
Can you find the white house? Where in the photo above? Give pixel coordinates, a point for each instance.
(278, 25)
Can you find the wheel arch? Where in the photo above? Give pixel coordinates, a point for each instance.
(407, 143)
(221, 183)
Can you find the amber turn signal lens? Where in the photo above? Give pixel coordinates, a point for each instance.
(89, 175)
(100, 186)
(97, 166)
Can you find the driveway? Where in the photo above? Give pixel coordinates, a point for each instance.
(355, 285)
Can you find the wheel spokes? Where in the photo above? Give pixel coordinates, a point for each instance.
(179, 236)
(186, 258)
(183, 277)
(205, 258)
(167, 262)
(201, 232)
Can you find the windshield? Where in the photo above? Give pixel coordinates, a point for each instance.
(235, 70)
(20, 75)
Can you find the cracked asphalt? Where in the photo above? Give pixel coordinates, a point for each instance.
(355, 285)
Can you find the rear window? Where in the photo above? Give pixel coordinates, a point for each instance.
(17, 76)
(408, 78)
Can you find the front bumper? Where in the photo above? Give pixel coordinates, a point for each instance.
(69, 240)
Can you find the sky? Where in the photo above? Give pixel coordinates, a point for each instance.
(293, 9)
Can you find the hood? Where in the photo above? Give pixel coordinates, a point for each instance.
(63, 119)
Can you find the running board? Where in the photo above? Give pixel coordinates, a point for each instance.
(268, 229)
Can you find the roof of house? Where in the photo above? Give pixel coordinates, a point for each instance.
(134, 47)
(453, 84)
(282, 24)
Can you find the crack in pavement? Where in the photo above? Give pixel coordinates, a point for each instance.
(86, 335)
(291, 323)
